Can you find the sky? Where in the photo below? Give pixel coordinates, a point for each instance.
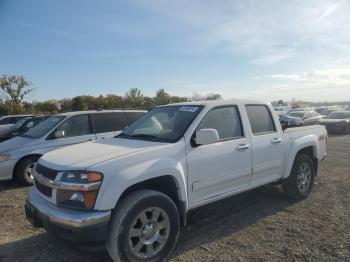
(265, 50)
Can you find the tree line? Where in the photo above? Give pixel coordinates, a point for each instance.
(15, 90)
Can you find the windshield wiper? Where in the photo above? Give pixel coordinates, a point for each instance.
(146, 136)
(122, 134)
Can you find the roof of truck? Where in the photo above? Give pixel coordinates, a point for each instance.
(218, 102)
(99, 111)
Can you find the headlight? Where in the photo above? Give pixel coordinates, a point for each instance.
(5, 157)
(79, 189)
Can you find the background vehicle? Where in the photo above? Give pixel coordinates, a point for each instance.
(7, 123)
(308, 117)
(136, 189)
(288, 121)
(337, 122)
(22, 126)
(18, 155)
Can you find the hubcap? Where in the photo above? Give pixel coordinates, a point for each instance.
(304, 177)
(28, 173)
(149, 232)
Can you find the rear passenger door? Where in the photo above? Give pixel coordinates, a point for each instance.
(266, 143)
(107, 125)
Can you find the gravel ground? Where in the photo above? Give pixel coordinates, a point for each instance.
(262, 225)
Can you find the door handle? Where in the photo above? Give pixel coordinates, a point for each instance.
(88, 140)
(276, 140)
(242, 147)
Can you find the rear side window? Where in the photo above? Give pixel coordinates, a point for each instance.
(109, 122)
(260, 119)
(131, 117)
(8, 121)
(225, 120)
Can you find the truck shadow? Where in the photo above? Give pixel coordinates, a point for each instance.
(205, 225)
(9, 185)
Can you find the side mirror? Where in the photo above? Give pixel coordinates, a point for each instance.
(207, 136)
(59, 134)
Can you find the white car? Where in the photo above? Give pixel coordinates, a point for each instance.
(7, 123)
(19, 154)
(133, 192)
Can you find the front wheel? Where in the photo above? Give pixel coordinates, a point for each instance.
(300, 182)
(24, 170)
(145, 227)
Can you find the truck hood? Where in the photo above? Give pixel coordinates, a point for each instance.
(82, 156)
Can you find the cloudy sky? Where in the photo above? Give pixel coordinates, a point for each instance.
(244, 49)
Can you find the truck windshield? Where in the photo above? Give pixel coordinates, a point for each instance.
(162, 124)
(44, 127)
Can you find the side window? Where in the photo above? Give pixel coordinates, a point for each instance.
(108, 122)
(8, 121)
(131, 117)
(225, 120)
(260, 119)
(76, 126)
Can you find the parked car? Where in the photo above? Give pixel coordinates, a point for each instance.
(290, 121)
(22, 126)
(18, 155)
(337, 122)
(135, 190)
(7, 123)
(308, 117)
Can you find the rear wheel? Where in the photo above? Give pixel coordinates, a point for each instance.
(145, 227)
(24, 170)
(300, 182)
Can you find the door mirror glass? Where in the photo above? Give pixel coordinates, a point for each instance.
(207, 136)
(59, 134)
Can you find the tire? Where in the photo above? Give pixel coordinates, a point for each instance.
(145, 220)
(22, 170)
(347, 130)
(300, 182)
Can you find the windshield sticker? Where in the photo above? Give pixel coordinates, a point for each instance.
(191, 109)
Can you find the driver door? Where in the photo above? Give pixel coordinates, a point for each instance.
(222, 167)
(77, 129)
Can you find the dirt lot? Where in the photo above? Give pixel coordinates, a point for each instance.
(261, 225)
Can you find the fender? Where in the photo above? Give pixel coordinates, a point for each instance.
(141, 172)
(299, 144)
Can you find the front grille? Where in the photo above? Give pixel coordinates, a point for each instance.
(43, 189)
(46, 172)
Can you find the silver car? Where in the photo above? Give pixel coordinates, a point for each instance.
(18, 155)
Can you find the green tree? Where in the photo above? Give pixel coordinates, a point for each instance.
(66, 105)
(213, 97)
(134, 98)
(161, 98)
(16, 88)
(47, 108)
(5, 109)
(78, 104)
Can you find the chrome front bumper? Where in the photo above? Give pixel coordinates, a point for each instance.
(64, 216)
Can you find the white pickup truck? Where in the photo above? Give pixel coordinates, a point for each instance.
(133, 192)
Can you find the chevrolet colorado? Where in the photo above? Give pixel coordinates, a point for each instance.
(132, 192)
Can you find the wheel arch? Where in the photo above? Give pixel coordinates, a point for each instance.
(310, 150)
(165, 184)
(21, 159)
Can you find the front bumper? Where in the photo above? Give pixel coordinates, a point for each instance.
(85, 227)
(6, 169)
